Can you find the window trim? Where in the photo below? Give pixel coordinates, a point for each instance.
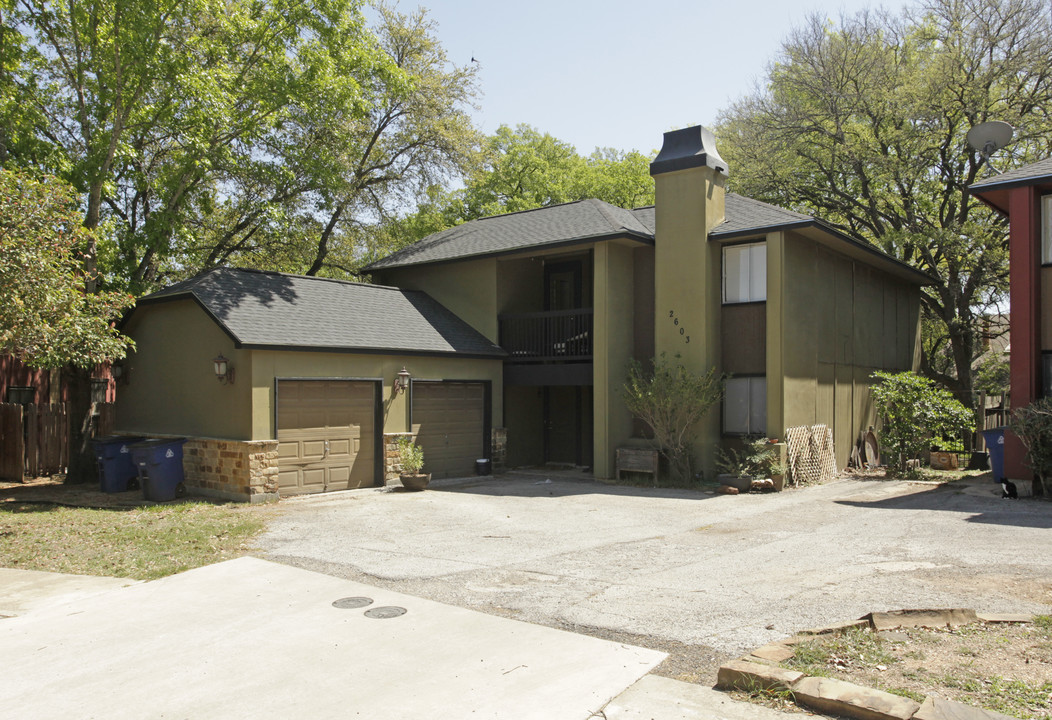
(1045, 230)
(723, 271)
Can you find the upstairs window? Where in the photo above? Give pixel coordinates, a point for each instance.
(1046, 230)
(745, 273)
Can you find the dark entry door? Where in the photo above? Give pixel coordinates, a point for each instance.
(562, 286)
(562, 425)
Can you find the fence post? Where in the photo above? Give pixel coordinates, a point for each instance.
(12, 443)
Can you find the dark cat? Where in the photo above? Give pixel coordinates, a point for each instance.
(1008, 490)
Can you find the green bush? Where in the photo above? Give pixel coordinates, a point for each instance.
(914, 411)
(670, 400)
(1032, 424)
(410, 456)
(756, 459)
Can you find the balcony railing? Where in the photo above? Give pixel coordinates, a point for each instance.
(560, 335)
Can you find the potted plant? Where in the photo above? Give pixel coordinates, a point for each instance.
(740, 468)
(411, 460)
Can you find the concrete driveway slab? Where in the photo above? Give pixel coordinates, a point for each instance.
(24, 590)
(719, 573)
(250, 638)
(657, 697)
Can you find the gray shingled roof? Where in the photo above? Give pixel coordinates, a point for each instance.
(266, 309)
(583, 220)
(742, 215)
(1039, 170)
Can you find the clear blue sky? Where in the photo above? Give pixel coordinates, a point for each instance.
(618, 73)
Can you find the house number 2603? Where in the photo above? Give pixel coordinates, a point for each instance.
(682, 330)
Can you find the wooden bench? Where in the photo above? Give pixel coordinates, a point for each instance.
(634, 459)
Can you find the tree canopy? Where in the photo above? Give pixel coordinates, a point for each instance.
(863, 122)
(253, 132)
(46, 318)
(520, 169)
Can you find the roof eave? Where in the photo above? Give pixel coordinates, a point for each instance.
(921, 278)
(345, 350)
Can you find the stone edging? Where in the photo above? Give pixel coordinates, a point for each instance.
(838, 697)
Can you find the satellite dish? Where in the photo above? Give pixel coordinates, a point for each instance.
(989, 137)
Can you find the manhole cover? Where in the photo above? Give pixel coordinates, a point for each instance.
(382, 613)
(352, 603)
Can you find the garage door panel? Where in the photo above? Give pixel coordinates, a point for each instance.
(450, 423)
(326, 435)
(314, 478)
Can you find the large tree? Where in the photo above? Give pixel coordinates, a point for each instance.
(161, 111)
(46, 318)
(330, 175)
(863, 122)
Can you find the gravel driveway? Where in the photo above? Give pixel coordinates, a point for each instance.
(701, 576)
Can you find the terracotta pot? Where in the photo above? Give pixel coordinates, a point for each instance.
(415, 482)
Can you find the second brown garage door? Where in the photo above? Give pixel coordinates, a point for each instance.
(452, 422)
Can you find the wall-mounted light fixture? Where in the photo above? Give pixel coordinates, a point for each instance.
(224, 370)
(401, 381)
(118, 372)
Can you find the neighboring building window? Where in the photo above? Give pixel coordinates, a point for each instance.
(21, 395)
(1046, 374)
(745, 273)
(1046, 230)
(99, 386)
(745, 406)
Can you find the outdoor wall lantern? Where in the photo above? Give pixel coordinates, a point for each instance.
(224, 370)
(401, 381)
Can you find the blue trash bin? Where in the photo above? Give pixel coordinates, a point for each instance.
(160, 467)
(116, 467)
(995, 443)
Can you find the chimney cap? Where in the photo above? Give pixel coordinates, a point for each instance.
(688, 148)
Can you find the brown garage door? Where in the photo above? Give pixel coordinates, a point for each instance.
(451, 420)
(326, 437)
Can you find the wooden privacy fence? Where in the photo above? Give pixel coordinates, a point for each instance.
(34, 439)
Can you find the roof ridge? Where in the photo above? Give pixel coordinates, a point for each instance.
(277, 273)
(609, 211)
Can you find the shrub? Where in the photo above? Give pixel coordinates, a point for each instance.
(670, 400)
(915, 410)
(410, 456)
(1032, 424)
(757, 458)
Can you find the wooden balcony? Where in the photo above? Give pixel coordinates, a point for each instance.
(557, 336)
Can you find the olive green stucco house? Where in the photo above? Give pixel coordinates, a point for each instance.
(517, 332)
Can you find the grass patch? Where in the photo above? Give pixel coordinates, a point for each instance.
(142, 543)
(991, 666)
(856, 647)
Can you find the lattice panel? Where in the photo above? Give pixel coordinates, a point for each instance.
(812, 457)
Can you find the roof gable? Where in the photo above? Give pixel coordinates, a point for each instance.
(273, 310)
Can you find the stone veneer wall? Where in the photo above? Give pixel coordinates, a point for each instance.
(242, 471)
(392, 468)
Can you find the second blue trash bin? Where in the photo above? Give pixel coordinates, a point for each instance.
(116, 467)
(995, 443)
(160, 467)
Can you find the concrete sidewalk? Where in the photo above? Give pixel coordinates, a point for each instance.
(250, 638)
